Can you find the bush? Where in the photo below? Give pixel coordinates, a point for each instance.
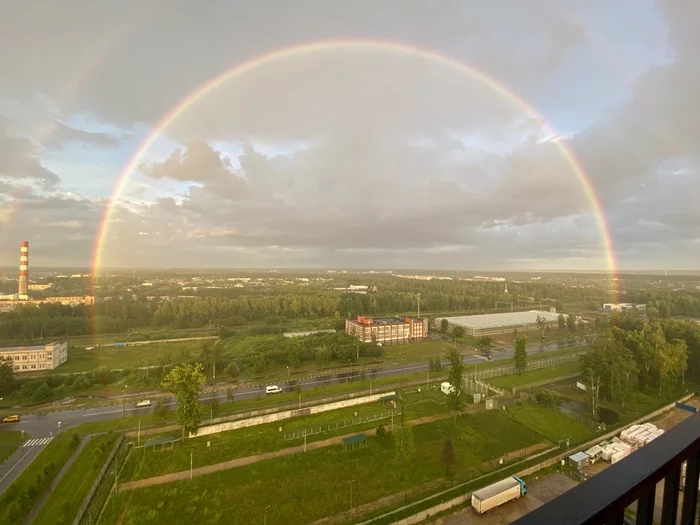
(74, 440)
(41, 393)
(547, 398)
(382, 436)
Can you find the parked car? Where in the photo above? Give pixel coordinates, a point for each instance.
(273, 389)
(11, 419)
(142, 404)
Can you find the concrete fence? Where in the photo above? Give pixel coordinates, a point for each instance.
(286, 414)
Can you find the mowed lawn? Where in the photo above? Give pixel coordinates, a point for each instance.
(550, 424)
(306, 487)
(64, 503)
(532, 376)
(224, 446)
(10, 440)
(81, 360)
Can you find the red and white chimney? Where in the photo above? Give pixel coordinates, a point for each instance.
(24, 268)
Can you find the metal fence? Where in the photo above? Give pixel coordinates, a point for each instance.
(473, 387)
(340, 424)
(578, 417)
(505, 370)
(105, 482)
(542, 382)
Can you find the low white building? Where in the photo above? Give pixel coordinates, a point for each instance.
(35, 358)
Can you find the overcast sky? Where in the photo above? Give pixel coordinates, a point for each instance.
(352, 156)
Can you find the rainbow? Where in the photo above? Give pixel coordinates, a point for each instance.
(359, 45)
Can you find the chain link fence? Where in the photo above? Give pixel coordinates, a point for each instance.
(339, 424)
(505, 370)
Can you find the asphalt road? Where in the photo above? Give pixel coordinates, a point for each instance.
(49, 424)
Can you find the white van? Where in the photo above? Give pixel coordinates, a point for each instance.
(447, 388)
(273, 389)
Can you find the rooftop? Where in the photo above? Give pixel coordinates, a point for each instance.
(23, 348)
(498, 320)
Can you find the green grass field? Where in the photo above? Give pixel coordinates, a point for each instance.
(267, 437)
(306, 487)
(10, 440)
(64, 503)
(532, 376)
(20, 497)
(550, 424)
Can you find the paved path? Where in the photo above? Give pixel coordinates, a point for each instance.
(240, 462)
(20, 459)
(47, 493)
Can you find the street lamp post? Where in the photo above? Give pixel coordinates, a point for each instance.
(124, 401)
(353, 481)
(59, 428)
(265, 515)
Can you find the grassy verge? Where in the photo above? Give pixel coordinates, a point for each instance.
(21, 496)
(532, 376)
(10, 440)
(305, 487)
(64, 503)
(550, 424)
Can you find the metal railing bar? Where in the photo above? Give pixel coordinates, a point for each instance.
(690, 490)
(669, 511)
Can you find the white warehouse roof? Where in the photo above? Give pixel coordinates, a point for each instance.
(480, 322)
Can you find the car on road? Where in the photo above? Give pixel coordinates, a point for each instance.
(273, 389)
(11, 419)
(142, 404)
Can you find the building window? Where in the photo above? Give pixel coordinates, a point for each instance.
(33, 366)
(41, 365)
(48, 355)
(17, 358)
(42, 356)
(16, 367)
(24, 367)
(24, 357)
(33, 357)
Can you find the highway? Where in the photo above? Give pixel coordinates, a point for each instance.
(43, 426)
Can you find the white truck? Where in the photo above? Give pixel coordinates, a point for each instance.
(447, 388)
(488, 498)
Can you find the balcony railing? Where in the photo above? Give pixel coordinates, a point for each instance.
(632, 483)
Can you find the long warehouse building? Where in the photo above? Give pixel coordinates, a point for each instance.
(492, 324)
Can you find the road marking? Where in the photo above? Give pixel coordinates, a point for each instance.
(13, 468)
(36, 442)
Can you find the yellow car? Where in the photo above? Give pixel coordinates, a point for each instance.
(11, 419)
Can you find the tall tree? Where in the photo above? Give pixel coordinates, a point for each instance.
(7, 380)
(520, 354)
(541, 324)
(454, 377)
(571, 323)
(404, 448)
(458, 332)
(449, 458)
(562, 321)
(185, 381)
(444, 325)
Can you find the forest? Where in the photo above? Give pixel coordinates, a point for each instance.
(636, 354)
(274, 306)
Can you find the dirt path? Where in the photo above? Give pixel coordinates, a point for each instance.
(240, 462)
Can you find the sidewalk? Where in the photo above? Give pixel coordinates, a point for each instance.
(47, 493)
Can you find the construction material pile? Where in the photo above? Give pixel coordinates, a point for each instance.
(640, 435)
(615, 451)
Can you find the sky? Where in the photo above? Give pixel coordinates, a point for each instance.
(386, 147)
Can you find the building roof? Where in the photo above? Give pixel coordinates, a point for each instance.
(579, 456)
(496, 488)
(22, 348)
(499, 320)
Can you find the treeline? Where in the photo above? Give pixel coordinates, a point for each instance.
(655, 357)
(662, 304)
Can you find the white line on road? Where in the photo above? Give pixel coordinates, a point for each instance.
(13, 468)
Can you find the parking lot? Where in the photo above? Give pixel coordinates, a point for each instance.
(539, 492)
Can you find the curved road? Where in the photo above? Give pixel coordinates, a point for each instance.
(41, 428)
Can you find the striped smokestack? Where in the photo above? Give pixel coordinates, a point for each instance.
(23, 267)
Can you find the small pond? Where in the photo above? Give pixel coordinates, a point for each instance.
(605, 415)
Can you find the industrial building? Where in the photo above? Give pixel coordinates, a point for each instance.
(492, 324)
(388, 330)
(7, 302)
(35, 358)
(619, 307)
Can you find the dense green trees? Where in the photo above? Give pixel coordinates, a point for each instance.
(520, 356)
(185, 381)
(641, 354)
